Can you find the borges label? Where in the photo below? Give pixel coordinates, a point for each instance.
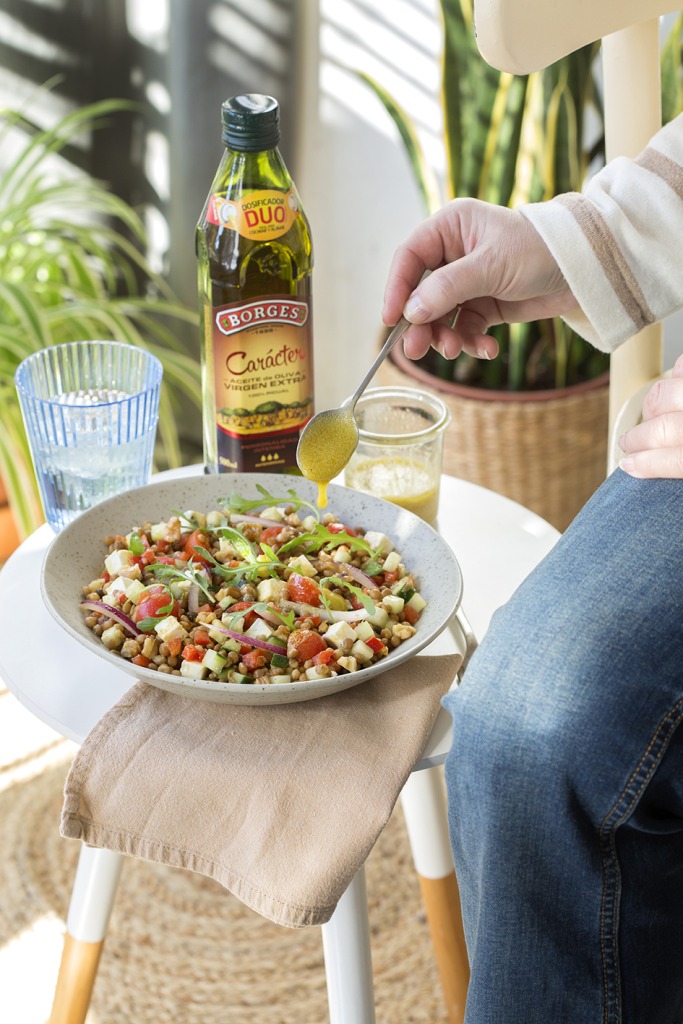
(270, 311)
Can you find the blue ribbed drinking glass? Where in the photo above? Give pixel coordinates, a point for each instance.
(90, 409)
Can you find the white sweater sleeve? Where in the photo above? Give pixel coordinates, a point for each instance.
(619, 243)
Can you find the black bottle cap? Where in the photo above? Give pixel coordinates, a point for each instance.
(251, 123)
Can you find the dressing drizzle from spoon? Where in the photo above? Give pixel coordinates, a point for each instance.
(330, 438)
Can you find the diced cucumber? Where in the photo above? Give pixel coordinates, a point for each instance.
(417, 602)
(238, 677)
(280, 679)
(279, 661)
(379, 617)
(364, 630)
(392, 561)
(214, 662)
(393, 604)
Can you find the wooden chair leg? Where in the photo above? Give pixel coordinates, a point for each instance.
(92, 899)
(424, 811)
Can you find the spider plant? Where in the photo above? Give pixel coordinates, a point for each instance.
(72, 267)
(512, 139)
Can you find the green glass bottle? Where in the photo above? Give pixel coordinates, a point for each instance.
(255, 260)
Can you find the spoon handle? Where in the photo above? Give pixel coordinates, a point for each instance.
(397, 333)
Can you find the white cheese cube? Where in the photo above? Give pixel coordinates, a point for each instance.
(309, 523)
(393, 604)
(392, 561)
(215, 519)
(192, 669)
(226, 548)
(350, 664)
(169, 629)
(113, 599)
(364, 630)
(379, 541)
(169, 531)
(118, 560)
(417, 602)
(342, 554)
(339, 632)
(259, 630)
(272, 590)
(361, 652)
(302, 565)
(131, 589)
(113, 638)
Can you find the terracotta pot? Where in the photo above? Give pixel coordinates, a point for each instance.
(546, 450)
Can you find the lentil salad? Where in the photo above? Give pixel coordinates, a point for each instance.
(261, 591)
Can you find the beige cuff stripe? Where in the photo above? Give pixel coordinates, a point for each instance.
(664, 167)
(611, 259)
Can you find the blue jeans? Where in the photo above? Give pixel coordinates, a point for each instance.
(565, 777)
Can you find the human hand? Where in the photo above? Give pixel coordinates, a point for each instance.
(654, 448)
(490, 266)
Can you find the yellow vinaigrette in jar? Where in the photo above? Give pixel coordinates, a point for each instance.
(402, 481)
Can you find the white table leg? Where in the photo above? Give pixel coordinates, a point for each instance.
(348, 959)
(424, 810)
(92, 899)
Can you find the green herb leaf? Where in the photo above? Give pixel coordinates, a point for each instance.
(366, 601)
(373, 568)
(242, 506)
(246, 550)
(168, 572)
(321, 537)
(287, 619)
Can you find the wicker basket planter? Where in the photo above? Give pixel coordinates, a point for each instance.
(546, 450)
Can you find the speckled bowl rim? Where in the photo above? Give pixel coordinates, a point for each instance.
(76, 554)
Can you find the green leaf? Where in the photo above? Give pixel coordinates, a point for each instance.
(364, 598)
(422, 170)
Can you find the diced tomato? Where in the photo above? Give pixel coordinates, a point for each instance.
(162, 546)
(145, 559)
(255, 659)
(324, 658)
(410, 615)
(197, 539)
(165, 560)
(340, 528)
(204, 607)
(270, 533)
(106, 577)
(140, 660)
(175, 646)
(302, 589)
(310, 620)
(250, 617)
(390, 577)
(376, 645)
(304, 644)
(202, 638)
(156, 598)
(193, 653)
(355, 602)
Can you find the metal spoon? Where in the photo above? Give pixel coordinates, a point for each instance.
(330, 438)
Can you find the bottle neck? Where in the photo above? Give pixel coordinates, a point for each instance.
(244, 170)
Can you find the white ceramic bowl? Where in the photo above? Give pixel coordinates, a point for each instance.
(76, 556)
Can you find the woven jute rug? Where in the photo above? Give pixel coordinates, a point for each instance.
(181, 950)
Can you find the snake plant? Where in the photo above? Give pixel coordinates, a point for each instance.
(71, 268)
(512, 139)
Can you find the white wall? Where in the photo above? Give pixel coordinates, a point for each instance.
(352, 173)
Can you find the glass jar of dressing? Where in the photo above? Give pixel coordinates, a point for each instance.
(400, 448)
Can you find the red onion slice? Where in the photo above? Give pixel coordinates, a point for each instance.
(259, 520)
(356, 574)
(113, 613)
(244, 638)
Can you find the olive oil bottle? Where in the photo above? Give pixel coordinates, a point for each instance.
(255, 260)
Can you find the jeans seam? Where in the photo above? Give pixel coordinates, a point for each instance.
(611, 891)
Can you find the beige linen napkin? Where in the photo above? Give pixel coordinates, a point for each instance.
(281, 804)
